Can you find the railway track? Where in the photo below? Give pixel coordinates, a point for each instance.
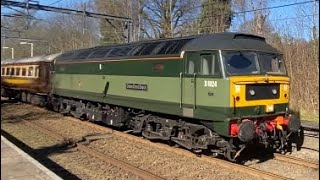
(127, 167)
(297, 161)
(310, 126)
(81, 147)
(312, 129)
(137, 171)
(215, 161)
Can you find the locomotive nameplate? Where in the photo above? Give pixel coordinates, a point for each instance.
(140, 87)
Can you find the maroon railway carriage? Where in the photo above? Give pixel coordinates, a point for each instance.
(27, 79)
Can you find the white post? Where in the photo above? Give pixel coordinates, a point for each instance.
(31, 49)
(31, 44)
(12, 53)
(171, 27)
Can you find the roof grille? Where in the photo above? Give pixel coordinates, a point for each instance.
(248, 36)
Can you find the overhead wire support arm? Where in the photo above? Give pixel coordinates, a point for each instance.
(62, 10)
(27, 5)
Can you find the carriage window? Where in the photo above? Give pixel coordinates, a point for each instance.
(210, 65)
(36, 72)
(7, 71)
(18, 71)
(12, 72)
(30, 71)
(24, 72)
(3, 72)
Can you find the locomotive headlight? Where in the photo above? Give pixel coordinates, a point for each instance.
(269, 108)
(252, 92)
(274, 91)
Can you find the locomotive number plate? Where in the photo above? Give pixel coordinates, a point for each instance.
(210, 83)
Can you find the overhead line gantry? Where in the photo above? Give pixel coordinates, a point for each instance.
(107, 17)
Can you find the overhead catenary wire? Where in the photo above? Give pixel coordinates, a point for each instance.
(238, 13)
(266, 8)
(247, 11)
(55, 2)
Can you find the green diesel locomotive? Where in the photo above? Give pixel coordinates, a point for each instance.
(217, 93)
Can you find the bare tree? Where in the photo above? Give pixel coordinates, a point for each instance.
(113, 31)
(257, 24)
(163, 18)
(216, 16)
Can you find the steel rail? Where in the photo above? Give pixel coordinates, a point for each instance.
(298, 161)
(308, 128)
(121, 164)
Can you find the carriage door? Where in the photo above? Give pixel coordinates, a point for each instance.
(189, 78)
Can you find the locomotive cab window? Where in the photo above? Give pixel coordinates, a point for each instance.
(271, 64)
(210, 65)
(252, 63)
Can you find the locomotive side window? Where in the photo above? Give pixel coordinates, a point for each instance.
(30, 71)
(18, 71)
(24, 72)
(190, 67)
(210, 65)
(206, 61)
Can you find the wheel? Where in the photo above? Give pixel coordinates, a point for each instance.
(55, 106)
(29, 97)
(300, 138)
(23, 97)
(3, 92)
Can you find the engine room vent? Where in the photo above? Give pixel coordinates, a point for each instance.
(249, 36)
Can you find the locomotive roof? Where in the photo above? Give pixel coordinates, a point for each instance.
(174, 46)
(42, 58)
